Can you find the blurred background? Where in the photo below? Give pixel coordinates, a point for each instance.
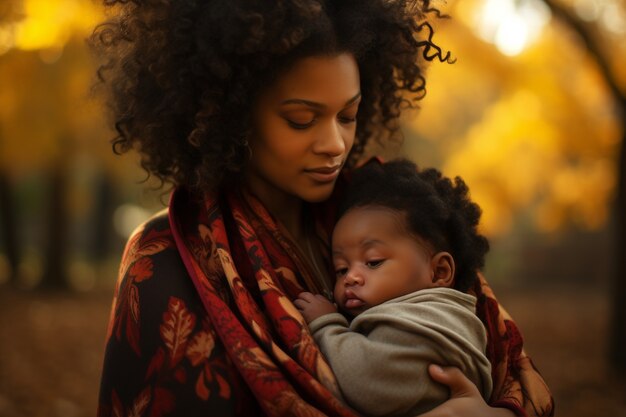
(531, 115)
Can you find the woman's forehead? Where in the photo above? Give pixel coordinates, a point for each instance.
(327, 80)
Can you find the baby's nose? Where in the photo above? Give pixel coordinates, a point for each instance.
(352, 278)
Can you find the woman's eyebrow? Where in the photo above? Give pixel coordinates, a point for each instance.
(303, 102)
(316, 105)
(353, 99)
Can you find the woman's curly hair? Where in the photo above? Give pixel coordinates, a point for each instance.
(437, 209)
(183, 74)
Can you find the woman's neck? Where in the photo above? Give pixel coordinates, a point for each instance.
(288, 210)
(285, 208)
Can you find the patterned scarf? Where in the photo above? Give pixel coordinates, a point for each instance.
(247, 271)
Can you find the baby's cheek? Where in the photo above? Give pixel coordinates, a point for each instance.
(338, 295)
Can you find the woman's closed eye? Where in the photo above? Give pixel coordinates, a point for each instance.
(299, 118)
(349, 114)
(347, 119)
(374, 263)
(300, 125)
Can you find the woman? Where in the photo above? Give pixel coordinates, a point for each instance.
(252, 109)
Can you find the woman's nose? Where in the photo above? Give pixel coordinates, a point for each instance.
(331, 141)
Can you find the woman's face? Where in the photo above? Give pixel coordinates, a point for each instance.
(303, 129)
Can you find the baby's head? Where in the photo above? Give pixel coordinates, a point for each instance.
(401, 230)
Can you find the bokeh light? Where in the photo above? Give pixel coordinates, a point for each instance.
(511, 24)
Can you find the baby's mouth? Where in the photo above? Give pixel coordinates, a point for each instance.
(352, 301)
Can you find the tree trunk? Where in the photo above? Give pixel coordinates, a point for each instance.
(617, 342)
(102, 237)
(8, 225)
(618, 324)
(54, 276)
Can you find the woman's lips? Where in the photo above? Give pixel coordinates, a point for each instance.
(323, 174)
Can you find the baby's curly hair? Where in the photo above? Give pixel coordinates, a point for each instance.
(437, 209)
(183, 74)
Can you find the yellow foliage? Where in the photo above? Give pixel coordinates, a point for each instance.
(49, 24)
(507, 155)
(537, 132)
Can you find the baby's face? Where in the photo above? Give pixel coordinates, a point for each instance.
(376, 260)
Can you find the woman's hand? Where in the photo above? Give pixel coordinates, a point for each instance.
(465, 399)
(313, 306)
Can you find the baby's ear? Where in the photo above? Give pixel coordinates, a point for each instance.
(442, 265)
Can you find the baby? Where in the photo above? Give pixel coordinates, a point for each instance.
(405, 250)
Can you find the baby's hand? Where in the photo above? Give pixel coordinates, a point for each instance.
(313, 306)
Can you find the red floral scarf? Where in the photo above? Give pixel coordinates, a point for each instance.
(265, 336)
(268, 340)
(216, 333)
(202, 321)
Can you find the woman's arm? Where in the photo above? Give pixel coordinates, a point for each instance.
(465, 400)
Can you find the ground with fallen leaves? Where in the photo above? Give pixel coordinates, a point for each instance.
(51, 349)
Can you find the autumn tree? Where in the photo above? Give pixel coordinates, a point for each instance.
(48, 120)
(537, 131)
(591, 40)
(8, 224)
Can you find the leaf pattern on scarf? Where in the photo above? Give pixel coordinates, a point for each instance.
(136, 266)
(202, 390)
(134, 303)
(177, 325)
(118, 408)
(248, 308)
(207, 251)
(288, 280)
(287, 403)
(247, 233)
(144, 244)
(200, 347)
(164, 402)
(131, 312)
(180, 375)
(537, 401)
(209, 376)
(156, 363)
(254, 359)
(141, 270)
(224, 387)
(140, 404)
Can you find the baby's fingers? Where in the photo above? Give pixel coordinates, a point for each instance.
(322, 299)
(300, 303)
(306, 296)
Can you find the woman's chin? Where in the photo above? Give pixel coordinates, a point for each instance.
(317, 198)
(318, 194)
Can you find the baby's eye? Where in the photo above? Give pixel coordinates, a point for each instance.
(341, 272)
(373, 264)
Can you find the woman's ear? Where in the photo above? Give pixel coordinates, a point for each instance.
(442, 265)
